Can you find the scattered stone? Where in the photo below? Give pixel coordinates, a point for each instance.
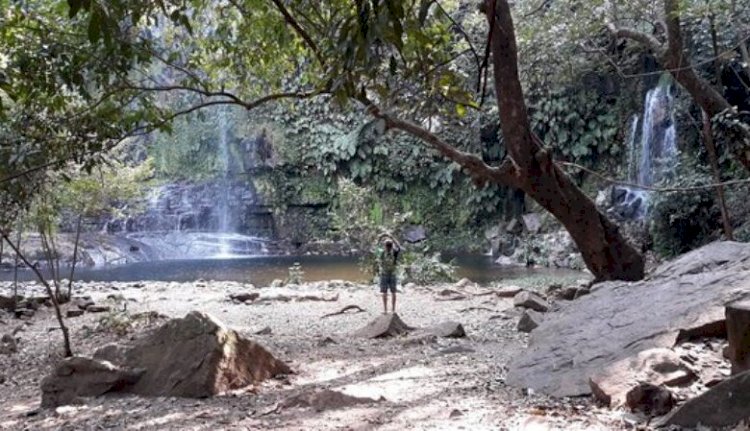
(98, 308)
(78, 377)
(738, 334)
(385, 325)
(24, 313)
(137, 285)
(421, 340)
(655, 367)
(83, 302)
(508, 292)
(456, 349)
(455, 413)
(277, 283)
(529, 321)
(723, 405)
(514, 227)
(265, 331)
(326, 342)
(325, 399)
(650, 399)
(448, 329)
(2, 378)
(689, 292)
(464, 282)
(195, 356)
(245, 297)
(530, 300)
(8, 345)
(410, 286)
(507, 261)
(74, 312)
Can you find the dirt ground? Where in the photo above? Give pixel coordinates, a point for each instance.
(423, 383)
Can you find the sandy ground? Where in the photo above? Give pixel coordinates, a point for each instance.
(443, 384)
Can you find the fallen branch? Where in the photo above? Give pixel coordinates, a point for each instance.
(344, 310)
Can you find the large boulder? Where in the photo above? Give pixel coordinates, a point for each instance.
(77, 377)
(385, 325)
(617, 384)
(723, 405)
(195, 356)
(619, 319)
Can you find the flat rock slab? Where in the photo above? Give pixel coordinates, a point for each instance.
(619, 319)
(385, 325)
(325, 400)
(724, 405)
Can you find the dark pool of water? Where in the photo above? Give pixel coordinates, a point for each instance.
(262, 270)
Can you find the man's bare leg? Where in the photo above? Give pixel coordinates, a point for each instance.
(385, 303)
(393, 302)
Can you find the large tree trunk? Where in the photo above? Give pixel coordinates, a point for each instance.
(605, 251)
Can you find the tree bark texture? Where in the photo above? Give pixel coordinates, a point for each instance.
(605, 251)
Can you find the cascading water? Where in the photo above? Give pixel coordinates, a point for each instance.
(225, 227)
(652, 157)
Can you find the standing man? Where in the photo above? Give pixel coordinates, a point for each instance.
(387, 263)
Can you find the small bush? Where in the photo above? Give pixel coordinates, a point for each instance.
(426, 269)
(684, 221)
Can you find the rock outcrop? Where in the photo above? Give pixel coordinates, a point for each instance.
(619, 319)
(195, 356)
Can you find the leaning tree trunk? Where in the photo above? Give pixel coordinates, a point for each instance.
(605, 251)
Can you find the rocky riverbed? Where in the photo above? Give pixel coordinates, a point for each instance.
(422, 381)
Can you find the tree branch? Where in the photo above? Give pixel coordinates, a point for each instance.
(476, 167)
(647, 40)
(300, 31)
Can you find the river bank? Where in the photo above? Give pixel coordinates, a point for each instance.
(426, 382)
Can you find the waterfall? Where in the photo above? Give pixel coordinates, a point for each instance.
(652, 155)
(225, 248)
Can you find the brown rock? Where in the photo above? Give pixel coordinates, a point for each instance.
(724, 405)
(654, 367)
(650, 399)
(385, 325)
(195, 356)
(78, 376)
(74, 313)
(530, 300)
(529, 320)
(448, 330)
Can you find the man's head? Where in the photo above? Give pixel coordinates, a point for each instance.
(388, 244)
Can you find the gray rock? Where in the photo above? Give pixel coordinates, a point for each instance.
(530, 300)
(723, 405)
(414, 234)
(529, 320)
(385, 325)
(619, 319)
(448, 330)
(78, 377)
(83, 302)
(245, 296)
(8, 345)
(514, 227)
(532, 222)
